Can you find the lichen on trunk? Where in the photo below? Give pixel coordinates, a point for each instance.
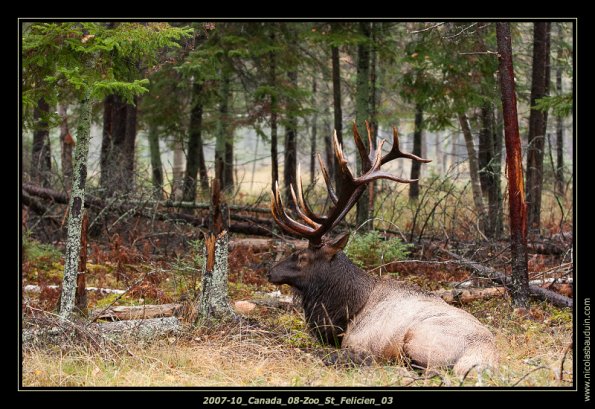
(76, 205)
(214, 299)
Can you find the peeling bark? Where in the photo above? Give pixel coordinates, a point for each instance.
(516, 191)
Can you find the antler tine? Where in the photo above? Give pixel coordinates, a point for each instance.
(341, 158)
(286, 222)
(370, 136)
(366, 163)
(300, 212)
(302, 201)
(327, 180)
(396, 152)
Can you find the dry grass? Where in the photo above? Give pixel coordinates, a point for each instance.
(281, 354)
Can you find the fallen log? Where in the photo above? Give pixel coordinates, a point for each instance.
(135, 312)
(464, 296)
(32, 288)
(499, 277)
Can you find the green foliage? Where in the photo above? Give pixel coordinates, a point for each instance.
(72, 59)
(369, 250)
(187, 269)
(560, 105)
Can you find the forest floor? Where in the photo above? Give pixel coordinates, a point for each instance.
(271, 346)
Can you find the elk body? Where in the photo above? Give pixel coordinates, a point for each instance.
(365, 315)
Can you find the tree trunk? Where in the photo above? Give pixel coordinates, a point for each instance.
(313, 134)
(473, 171)
(337, 110)
(177, 190)
(415, 165)
(559, 173)
(214, 298)
(514, 164)
(195, 159)
(41, 155)
(373, 105)
(495, 193)
(75, 207)
(222, 126)
(106, 141)
(66, 143)
(290, 165)
(156, 165)
(128, 148)
(273, 85)
(80, 299)
(362, 114)
(536, 138)
(228, 175)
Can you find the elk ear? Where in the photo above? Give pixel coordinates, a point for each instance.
(338, 244)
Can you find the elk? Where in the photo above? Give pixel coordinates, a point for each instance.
(366, 316)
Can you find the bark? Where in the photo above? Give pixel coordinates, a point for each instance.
(313, 135)
(156, 165)
(473, 171)
(559, 173)
(80, 299)
(214, 298)
(537, 126)
(362, 114)
(337, 110)
(177, 191)
(195, 159)
(415, 165)
(228, 174)
(516, 193)
(128, 181)
(290, 165)
(273, 84)
(41, 155)
(222, 126)
(75, 207)
(373, 106)
(106, 141)
(489, 165)
(66, 143)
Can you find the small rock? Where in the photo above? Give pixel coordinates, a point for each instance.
(244, 307)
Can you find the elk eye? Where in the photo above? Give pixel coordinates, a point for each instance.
(303, 259)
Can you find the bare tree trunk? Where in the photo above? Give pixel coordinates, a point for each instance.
(75, 207)
(80, 299)
(473, 171)
(67, 144)
(107, 140)
(337, 112)
(290, 165)
(129, 145)
(177, 190)
(537, 126)
(41, 155)
(214, 299)
(222, 125)
(195, 158)
(229, 167)
(273, 84)
(514, 163)
(559, 173)
(373, 106)
(156, 165)
(313, 135)
(362, 114)
(415, 165)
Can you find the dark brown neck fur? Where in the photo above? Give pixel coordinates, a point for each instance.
(336, 291)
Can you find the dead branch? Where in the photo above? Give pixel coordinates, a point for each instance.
(500, 278)
(136, 312)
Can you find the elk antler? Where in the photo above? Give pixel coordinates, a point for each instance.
(315, 226)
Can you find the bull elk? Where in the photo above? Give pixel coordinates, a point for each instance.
(366, 316)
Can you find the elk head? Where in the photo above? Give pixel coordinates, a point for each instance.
(297, 268)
